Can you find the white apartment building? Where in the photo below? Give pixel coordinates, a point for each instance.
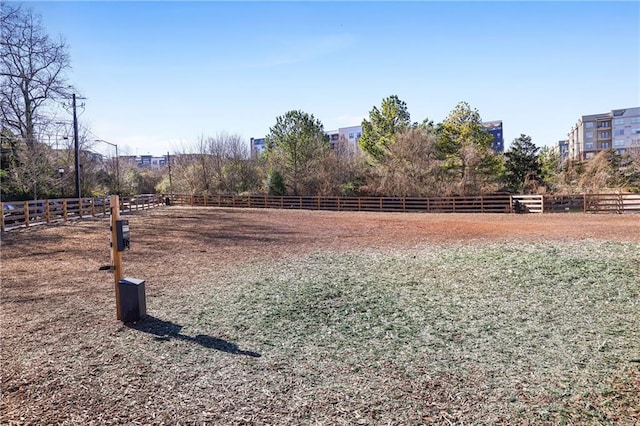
(348, 135)
(618, 129)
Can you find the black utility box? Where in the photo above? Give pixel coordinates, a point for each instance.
(133, 303)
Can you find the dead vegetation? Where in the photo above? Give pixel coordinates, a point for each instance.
(303, 317)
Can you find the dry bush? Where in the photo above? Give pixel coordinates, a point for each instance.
(410, 167)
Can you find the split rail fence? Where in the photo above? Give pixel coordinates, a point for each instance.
(19, 214)
(585, 203)
(27, 213)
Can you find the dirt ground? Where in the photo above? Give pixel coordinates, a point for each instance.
(52, 287)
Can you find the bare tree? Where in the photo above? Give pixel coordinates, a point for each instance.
(410, 167)
(239, 173)
(32, 70)
(343, 171)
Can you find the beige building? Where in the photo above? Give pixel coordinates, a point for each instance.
(618, 129)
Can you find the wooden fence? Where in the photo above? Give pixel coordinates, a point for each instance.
(583, 203)
(528, 203)
(27, 213)
(612, 203)
(476, 204)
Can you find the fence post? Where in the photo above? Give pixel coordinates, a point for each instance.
(46, 211)
(26, 214)
(620, 204)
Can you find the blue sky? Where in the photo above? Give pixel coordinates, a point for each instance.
(158, 75)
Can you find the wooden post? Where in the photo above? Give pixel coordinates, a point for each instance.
(26, 213)
(117, 255)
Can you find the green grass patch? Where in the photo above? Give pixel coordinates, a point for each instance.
(480, 333)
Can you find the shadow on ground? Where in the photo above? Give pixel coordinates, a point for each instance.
(166, 330)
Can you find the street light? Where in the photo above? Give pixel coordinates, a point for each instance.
(117, 163)
(61, 172)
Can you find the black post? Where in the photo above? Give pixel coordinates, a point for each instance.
(77, 147)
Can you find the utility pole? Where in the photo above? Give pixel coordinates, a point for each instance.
(169, 163)
(77, 147)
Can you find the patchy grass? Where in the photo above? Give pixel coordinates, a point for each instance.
(263, 317)
(497, 333)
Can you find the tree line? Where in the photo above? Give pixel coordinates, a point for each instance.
(394, 157)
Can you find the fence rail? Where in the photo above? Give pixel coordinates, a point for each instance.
(612, 203)
(476, 204)
(584, 203)
(28, 213)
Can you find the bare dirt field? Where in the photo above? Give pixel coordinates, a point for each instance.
(67, 360)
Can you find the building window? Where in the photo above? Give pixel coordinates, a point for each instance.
(619, 132)
(618, 121)
(606, 145)
(588, 134)
(588, 145)
(635, 119)
(604, 124)
(618, 142)
(350, 135)
(588, 125)
(358, 135)
(635, 131)
(605, 135)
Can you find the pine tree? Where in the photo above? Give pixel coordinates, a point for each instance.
(523, 164)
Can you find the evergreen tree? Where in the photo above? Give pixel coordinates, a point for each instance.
(384, 126)
(296, 146)
(465, 147)
(523, 165)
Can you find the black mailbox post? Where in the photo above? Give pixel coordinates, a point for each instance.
(133, 303)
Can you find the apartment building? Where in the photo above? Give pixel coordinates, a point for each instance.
(146, 161)
(563, 149)
(495, 128)
(348, 135)
(618, 129)
(258, 146)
